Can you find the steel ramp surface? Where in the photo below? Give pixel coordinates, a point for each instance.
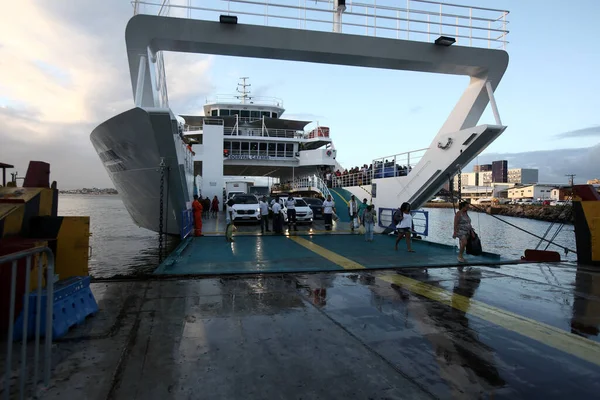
(301, 252)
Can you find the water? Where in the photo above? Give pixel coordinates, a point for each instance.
(119, 247)
(498, 237)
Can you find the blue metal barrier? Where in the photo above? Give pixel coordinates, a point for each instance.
(420, 220)
(187, 223)
(72, 303)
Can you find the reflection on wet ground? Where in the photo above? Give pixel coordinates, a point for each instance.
(518, 332)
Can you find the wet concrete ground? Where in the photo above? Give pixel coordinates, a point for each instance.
(519, 332)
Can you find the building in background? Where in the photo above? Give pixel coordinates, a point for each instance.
(482, 168)
(523, 176)
(594, 182)
(485, 178)
(467, 179)
(533, 192)
(561, 193)
(500, 171)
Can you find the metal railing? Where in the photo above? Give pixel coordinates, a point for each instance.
(385, 167)
(187, 223)
(264, 132)
(14, 258)
(420, 220)
(397, 164)
(356, 179)
(419, 20)
(313, 182)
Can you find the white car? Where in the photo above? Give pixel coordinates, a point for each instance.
(246, 208)
(303, 211)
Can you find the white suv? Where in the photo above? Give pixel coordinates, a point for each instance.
(303, 211)
(246, 208)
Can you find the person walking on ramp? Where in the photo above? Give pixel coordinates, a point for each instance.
(404, 227)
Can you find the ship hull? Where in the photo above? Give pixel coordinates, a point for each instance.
(131, 146)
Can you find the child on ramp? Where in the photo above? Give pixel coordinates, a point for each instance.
(230, 226)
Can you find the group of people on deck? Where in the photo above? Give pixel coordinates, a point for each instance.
(361, 214)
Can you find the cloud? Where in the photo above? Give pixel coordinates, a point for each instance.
(64, 70)
(553, 165)
(578, 133)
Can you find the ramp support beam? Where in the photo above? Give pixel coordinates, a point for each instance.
(490, 91)
(139, 93)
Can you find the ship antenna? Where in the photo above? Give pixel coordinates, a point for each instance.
(245, 93)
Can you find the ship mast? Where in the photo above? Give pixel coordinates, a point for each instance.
(245, 94)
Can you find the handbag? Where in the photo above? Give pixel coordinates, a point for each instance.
(334, 217)
(474, 245)
(362, 230)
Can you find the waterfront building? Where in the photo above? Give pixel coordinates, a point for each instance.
(523, 176)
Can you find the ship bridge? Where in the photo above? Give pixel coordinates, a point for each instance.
(254, 144)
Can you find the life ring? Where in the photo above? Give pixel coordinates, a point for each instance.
(329, 153)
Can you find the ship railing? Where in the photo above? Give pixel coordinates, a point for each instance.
(25, 378)
(420, 220)
(310, 182)
(355, 179)
(187, 223)
(251, 100)
(264, 155)
(397, 164)
(264, 132)
(385, 167)
(418, 20)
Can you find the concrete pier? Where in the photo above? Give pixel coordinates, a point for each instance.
(517, 332)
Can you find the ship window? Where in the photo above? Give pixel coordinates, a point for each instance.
(214, 113)
(245, 147)
(274, 115)
(234, 112)
(272, 152)
(254, 148)
(227, 145)
(255, 114)
(289, 150)
(223, 113)
(235, 147)
(280, 149)
(245, 114)
(265, 114)
(262, 147)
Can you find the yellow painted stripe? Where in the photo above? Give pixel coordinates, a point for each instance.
(577, 346)
(341, 197)
(328, 254)
(559, 339)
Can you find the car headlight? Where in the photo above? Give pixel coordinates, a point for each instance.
(258, 210)
(310, 212)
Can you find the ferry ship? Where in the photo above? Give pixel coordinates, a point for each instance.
(147, 151)
(157, 160)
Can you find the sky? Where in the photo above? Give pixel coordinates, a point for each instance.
(64, 70)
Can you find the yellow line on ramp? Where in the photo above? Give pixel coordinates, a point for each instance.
(559, 339)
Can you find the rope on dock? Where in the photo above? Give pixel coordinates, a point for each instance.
(542, 239)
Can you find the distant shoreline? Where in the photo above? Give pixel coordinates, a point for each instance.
(111, 192)
(540, 213)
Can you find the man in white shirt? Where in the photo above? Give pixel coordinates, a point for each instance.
(264, 215)
(277, 223)
(328, 210)
(290, 204)
(353, 211)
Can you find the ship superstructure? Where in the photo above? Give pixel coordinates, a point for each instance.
(243, 135)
